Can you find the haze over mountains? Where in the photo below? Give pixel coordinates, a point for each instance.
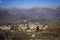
(16, 15)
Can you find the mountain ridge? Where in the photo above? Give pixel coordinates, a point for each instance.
(19, 14)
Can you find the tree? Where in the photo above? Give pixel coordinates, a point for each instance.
(2, 35)
(37, 28)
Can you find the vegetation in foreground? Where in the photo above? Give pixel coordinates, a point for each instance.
(22, 35)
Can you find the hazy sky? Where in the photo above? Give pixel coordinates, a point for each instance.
(28, 3)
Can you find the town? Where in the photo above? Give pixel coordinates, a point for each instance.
(25, 26)
(34, 29)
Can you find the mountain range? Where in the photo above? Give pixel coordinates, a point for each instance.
(17, 15)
